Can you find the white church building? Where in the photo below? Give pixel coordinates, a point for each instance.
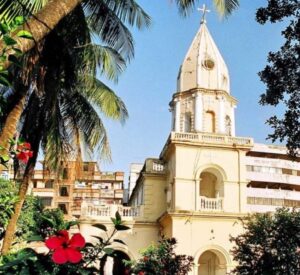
(205, 178)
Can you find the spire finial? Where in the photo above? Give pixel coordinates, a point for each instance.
(204, 11)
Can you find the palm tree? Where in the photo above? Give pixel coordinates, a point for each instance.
(53, 11)
(105, 18)
(64, 97)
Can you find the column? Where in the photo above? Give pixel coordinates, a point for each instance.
(232, 121)
(172, 110)
(177, 115)
(221, 117)
(198, 113)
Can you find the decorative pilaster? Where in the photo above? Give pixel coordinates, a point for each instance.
(198, 113)
(221, 120)
(232, 121)
(177, 115)
(172, 119)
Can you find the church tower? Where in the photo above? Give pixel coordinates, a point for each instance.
(203, 102)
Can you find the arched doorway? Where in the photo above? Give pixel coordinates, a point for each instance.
(114, 265)
(212, 262)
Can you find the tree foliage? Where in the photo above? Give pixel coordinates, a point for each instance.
(162, 259)
(282, 73)
(269, 245)
(8, 197)
(28, 261)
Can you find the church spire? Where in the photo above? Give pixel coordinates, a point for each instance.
(203, 102)
(203, 66)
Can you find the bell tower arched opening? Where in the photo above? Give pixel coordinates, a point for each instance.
(211, 190)
(210, 122)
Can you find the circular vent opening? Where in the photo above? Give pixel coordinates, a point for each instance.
(208, 64)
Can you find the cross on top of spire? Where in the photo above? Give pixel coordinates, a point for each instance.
(204, 11)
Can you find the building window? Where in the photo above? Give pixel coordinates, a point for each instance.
(65, 173)
(86, 167)
(228, 125)
(63, 208)
(46, 201)
(187, 122)
(49, 184)
(287, 171)
(63, 191)
(210, 124)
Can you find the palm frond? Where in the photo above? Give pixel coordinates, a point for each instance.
(129, 12)
(107, 60)
(9, 9)
(226, 7)
(109, 27)
(104, 98)
(79, 113)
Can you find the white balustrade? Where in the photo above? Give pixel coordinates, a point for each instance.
(210, 204)
(91, 210)
(272, 193)
(211, 138)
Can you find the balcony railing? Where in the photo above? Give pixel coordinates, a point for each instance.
(212, 138)
(99, 211)
(210, 204)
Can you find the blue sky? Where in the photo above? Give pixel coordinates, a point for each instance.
(147, 85)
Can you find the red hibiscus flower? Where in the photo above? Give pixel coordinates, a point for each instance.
(24, 156)
(65, 249)
(23, 152)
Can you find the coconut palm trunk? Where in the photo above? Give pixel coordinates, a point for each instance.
(43, 22)
(12, 225)
(10, 126)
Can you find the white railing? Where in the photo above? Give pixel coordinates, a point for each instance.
(91, 210)
(210, 204)
(269, 177)
(211, 138)
(272, 193)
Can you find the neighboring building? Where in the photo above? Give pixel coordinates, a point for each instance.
(134, 172)
(77, 184)
(206, 178)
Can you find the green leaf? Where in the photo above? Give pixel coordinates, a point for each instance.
(12, 58)
(17, 51)
(100, 226)
(108, 250)
(35, 238)
(118, 216)
(121, 227)
(4, 81)
(98, 238)
(119, 241)
(25, 34)
(9, 41)
(3, 28)
(5, 158)
(19, 20)
(68, 225)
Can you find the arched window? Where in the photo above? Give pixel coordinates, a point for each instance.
(187, 122)
(208, 185)
(210, 122)
(228, 125)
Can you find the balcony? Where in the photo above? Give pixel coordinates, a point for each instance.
(264, 199)
(210, 204)
(273, 193)
(108, 211)
(208, 138)
(273, 177)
